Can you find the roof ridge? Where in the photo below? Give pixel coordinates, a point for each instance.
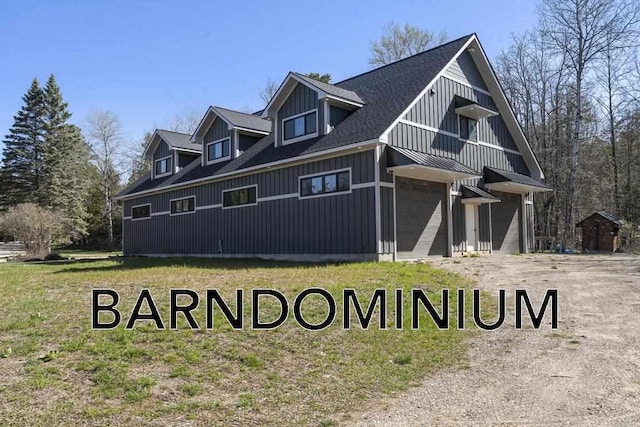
(173, 131)
(404, 59)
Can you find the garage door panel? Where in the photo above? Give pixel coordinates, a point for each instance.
(505, 223)
(421, 210)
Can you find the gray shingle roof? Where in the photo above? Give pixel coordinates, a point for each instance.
(178, 140)
(604, 215)
(245, 120)
(331, 89)
(492, 175)
(386, 92)
(423, 159)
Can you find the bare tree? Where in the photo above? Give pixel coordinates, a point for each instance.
(581, 31)
(107, 148)
(185, 122)
(34, 226)
(270, 89)
(399, 42)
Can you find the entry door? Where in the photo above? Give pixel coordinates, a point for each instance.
(470, 221)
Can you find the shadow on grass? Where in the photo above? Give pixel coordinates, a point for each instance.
(132, 263)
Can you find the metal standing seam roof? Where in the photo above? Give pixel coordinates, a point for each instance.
(408, 157)
(386, 92)
(496, 175)
(469, 191)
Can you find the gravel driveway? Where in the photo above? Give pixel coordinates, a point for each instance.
(586, 373)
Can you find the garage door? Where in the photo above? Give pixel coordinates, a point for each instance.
(422, 224)
(505, 223)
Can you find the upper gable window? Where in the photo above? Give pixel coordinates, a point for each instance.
(301, 126)
(468, 128)
(218, 150)
(162, 167)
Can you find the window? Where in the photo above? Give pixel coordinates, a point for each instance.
(180, 206)
(336, 182)
(163, 166)
(304, 124)
(141, 212)
(468, 128)
(218, 150)
(240, 197)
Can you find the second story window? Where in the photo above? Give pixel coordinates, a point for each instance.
(468, 128)
(330, 183)
(141, 212)
(240, 197)
(218, 150)
(181, 206)
(298, 127)
(163, 166)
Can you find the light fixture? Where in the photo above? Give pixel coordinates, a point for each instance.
(472, 49)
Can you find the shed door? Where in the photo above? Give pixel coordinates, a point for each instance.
(505, 223)
(422, 224)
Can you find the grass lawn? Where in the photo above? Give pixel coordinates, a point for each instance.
(55, 370)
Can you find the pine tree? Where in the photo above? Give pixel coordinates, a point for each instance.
(22, 169)
(66, 157)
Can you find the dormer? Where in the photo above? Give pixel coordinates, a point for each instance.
(224, 134)
(304, 108)
(169, 152)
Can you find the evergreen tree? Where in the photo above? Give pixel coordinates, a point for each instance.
(66, 157)
(22, 170)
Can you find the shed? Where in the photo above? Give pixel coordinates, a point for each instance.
(600, 232)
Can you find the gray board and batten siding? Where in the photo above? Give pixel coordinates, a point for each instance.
(301, 100)
(280, 223)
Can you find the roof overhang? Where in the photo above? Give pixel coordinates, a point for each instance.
(475, 111)
(413, 164)
(476, 196)
(151, 146)
(207, 120)
(511, 182)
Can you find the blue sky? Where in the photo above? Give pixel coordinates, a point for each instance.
(150, 60)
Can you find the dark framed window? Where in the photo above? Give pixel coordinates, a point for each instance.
(218, 149)
(335, 182)
(300, 126)
(163, 166)
(468, 128)
(140, 212)
(240, 197)
(180, 206)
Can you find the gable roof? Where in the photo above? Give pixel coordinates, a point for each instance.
(330, 89)
(175, 140)
(178, 140)
(243, 120)
(386, 93)
(604, 215)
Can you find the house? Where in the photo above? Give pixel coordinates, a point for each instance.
(600, 233)
(420, 157)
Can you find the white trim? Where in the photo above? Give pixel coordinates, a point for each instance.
(279, 164)
(319, 174)
(219, 159)
(327, 116)
(167, 173)
(245, 205)
(497, 147)
(378, 196)
(429, 128)
(234, 149)
(387, 184)
(143, 218)
(385, 134)
(241, 129)
(275, 106)
(160, 213)
(361, 185)
(205, 207)
(523, 221)
(341, 100)
(528, 202)
(278, 197)
(186, 150)
(395, 221)
(449, 210)
(463, 83)
(175, 161)
(490, 231)
(301, 137)
(182, 198)
(456, 193)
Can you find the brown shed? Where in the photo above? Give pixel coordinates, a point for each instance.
(600, 233)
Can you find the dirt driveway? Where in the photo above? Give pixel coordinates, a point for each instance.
(585, 373)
